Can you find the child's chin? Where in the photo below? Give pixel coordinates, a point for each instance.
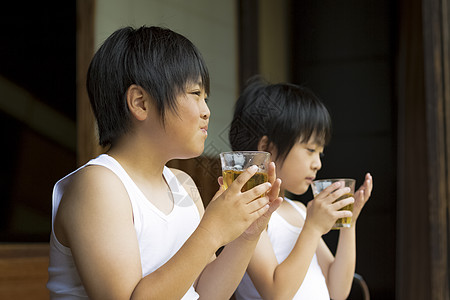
(300, 190)
(194, 154)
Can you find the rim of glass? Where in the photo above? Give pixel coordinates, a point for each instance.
(334, 179)
(245, 152)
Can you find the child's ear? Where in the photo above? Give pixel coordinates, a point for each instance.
(137, 102)
(265, 145)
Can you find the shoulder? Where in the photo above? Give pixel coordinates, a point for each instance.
(92, 179)
(191, 188)
(299, 204)
(91, 194)
(93, 186)
(290, 213)
(288, 205)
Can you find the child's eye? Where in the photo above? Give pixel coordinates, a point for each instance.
(206, 100)
(313, 150)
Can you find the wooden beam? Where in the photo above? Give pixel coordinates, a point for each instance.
(87, 141)
(248, 12)
(412, 263)
(437, 83)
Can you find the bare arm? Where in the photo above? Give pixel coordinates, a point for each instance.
(221, 277)
(95, 221)
(100, 235)
(281, 281)
(339, 270)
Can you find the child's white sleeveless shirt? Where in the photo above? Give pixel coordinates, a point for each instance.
(159, 235)
(283, 237)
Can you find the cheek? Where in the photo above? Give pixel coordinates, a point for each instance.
(293, 177)
(295, 184)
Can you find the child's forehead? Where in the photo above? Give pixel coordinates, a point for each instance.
(192, 83)
(315, 140)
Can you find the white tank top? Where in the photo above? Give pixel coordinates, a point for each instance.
(159, 235)
(283, 237)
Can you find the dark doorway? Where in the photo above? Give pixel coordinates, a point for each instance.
(344, 51)
(38, 102)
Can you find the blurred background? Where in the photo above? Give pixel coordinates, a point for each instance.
(380, 66)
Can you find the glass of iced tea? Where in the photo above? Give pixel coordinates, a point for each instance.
(235, 162)
(318, 186)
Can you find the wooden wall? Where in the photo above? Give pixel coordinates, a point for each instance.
(24, 271)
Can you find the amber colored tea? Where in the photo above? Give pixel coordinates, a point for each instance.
(344, 222)
(230, 175)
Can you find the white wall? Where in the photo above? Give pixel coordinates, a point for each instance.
(210, 25)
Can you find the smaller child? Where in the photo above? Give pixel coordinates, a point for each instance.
(291, 261)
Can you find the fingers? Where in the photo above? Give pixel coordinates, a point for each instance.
(342, 203)
(218, 193)
(329, 190)
(257, 192)
(360, 196)
(368, 183)
(274, 204)
(257, 204)
(275, 190)
(243, 178)
(273, 183)
(333, 192)
(343, 214)
(272, 173)
(365, 190)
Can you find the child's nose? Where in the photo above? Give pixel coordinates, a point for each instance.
(205, 112)
(317, 164)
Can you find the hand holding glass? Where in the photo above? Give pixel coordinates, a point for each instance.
(319, 185)
(235, 162)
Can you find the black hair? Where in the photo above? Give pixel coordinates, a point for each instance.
(157, 59)
(286, 113)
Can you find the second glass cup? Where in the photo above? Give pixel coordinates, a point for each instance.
(318, 186)
(235, 162)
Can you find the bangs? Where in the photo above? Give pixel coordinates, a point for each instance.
(194, 72)
(303, 117)
(167, 63)
(315, 125)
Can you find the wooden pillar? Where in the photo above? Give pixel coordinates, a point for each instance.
(423, 150)
(436, 23)
(248, 40)
(87, 141)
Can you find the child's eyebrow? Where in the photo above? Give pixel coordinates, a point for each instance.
(195, 84)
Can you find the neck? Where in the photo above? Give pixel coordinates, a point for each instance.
(143, 160)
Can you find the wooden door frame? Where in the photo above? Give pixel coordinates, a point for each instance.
(423, 150)
(436, 23)
(87, 142)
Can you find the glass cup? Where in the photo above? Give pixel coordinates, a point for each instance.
(235, 162)
(318, 186)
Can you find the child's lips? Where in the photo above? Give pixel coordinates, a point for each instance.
(310, 179)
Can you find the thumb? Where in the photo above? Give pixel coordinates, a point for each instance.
(219, 192)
